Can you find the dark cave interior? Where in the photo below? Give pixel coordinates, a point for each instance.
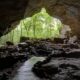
(40, 58)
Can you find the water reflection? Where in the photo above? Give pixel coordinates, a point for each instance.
(25, 73)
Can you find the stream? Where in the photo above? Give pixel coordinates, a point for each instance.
(24, 72)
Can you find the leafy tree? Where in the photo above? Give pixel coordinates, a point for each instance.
(40, 25)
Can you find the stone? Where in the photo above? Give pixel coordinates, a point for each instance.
(58, 69)
(8, 43)
(4, 77)
(44, 71)
(59, 40)
(23, 45)
(24, 39)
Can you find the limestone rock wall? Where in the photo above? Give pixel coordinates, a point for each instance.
(11, 11)
(68, 11)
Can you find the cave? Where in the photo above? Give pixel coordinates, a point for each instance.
(39, 40)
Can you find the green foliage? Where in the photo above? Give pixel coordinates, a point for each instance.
(40, 25)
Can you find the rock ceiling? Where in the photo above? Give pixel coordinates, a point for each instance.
(68, 11)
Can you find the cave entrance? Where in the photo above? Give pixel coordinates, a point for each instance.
(41, 25)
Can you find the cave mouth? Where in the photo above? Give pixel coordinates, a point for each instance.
(40, 26)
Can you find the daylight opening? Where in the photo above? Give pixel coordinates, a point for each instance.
(40, 25)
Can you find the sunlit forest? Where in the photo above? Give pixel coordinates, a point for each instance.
(40, 25)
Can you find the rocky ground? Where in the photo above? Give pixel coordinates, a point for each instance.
(62, 58)
(62, 64)
(11, 56)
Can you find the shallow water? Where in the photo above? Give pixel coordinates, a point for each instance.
(24, 72)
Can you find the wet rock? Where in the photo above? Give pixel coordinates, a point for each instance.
(4, 77)
(23, 45)
(43, 52)
(45, 71)
(59, 40)
(65, 66)
(7, 62)
(58, 68)
(8, 43)
(32, 50)
(24, 39)
(61, 59)
(58, 53)
(12, 49)
(2, 48)
(76, 75)
(43, 49)
(73, 53)
(74, 46)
